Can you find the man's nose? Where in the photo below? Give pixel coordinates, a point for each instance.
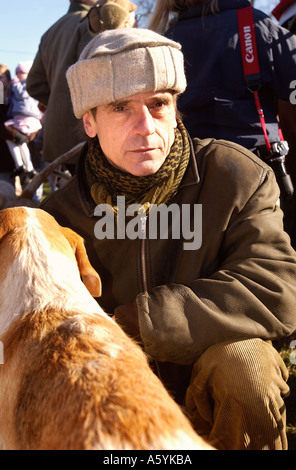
(144, 122)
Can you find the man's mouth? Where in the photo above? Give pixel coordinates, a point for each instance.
(143, 150)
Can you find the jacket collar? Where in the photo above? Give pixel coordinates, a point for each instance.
(78, 7)
(86, 200)
(191, 174)
(191, 177)
(223, 5)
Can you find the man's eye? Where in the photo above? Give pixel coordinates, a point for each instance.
(160, 104)
(119, 109)
(158, 107)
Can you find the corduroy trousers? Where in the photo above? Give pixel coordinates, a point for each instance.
(236, 396)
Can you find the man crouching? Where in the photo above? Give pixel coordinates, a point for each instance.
(205, 313)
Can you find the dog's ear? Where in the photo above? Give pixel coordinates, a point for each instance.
(90, 277)
(10, 219)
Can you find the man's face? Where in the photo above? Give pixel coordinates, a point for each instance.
(136, 133)
(22, 76)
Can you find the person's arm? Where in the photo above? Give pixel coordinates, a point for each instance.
(37, 84)
(252, 294)
(287, 116)
(282, 60)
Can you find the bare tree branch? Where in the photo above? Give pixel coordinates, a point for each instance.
(31, 188)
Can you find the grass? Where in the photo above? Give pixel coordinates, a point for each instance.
(46, 189)
(290, 401)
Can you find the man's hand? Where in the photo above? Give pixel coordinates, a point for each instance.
(127, 317)
(42, 107)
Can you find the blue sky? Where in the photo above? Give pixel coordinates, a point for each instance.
(24, 21)
(22, 24)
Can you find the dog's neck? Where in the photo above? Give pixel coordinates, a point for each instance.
(38, 277)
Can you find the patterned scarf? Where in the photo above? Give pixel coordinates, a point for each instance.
(107, 182)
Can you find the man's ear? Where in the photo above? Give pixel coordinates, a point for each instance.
(89, 124)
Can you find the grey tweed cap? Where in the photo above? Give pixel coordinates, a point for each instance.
(122, 62)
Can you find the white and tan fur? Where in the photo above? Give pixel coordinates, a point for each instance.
(71, 378)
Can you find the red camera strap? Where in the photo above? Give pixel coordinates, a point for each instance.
(262, 119)
(251, 63)
(248, 41)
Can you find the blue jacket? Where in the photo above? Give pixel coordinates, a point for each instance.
(217, 103)
(20, 102)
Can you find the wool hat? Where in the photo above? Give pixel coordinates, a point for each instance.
(109, 14)
(119, 63)
(24, 67)
(284, 10)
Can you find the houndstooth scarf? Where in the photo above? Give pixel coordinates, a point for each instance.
(107, 182)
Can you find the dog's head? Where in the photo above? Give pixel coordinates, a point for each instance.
(61, 238)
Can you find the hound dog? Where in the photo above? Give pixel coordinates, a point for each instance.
(70, 377)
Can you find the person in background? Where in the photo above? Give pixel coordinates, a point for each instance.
(6, 161)
(111, 14)
(285, 13)
(204, 305)
(218, 101)
(26, 118)
(60, 46)
(5, 78)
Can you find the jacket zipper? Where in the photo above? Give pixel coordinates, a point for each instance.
(143, 254)
(144, 274)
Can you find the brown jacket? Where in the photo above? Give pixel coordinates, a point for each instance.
(60, 46)
(240, 283)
